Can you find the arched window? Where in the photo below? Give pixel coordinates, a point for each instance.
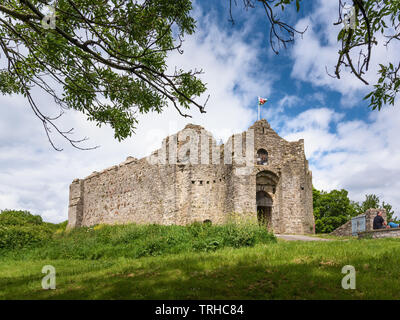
(262, 157)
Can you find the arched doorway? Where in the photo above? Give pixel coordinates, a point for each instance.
(267, 182)
(264, 208)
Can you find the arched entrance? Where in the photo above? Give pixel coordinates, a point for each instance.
(264, 208)
(266, 187)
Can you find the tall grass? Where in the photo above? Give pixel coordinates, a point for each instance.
(135, 241)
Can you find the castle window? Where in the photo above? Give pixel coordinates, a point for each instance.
(186, 157)
(201, 182)
(208, 182)
(262, 157)
(213, 181)
(192, 182)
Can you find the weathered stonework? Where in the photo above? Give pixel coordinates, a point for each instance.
(277, 192)
(381, 233)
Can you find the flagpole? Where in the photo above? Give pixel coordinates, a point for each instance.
(258, 103)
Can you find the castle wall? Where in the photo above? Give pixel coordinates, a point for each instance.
(143, 192)
(203, 188)
(134, 191)
(297, 189)
(182, 192)
(242, 182)
(139, 192)
(208, 192)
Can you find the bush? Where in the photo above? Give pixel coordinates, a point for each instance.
(12, 237)
(19, 229)
(62, 226)
(15, 217)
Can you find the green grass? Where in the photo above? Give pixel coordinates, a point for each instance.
(332, 237)
(271, 270)
(136, 241)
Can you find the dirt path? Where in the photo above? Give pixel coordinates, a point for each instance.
(293, 237)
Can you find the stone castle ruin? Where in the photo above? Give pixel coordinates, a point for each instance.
(256, 175)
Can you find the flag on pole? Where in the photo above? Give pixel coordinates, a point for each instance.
(261, 101)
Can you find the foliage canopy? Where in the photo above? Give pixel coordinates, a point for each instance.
(107, 56)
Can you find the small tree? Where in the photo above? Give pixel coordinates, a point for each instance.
(373, 201)
(389, 211)
(331, 209)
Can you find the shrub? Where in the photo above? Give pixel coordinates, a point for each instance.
(18, 217)
(19, 229)
(12, 237)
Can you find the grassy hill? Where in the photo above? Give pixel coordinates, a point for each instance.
(194, 262)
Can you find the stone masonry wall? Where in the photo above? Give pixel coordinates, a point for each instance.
(142, 192)
(382, 233)
(148, 191)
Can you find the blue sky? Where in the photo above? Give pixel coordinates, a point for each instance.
(348, 145)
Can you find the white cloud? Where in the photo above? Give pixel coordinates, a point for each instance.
(34, 177)
(360, 156)
(317, 53)
(286, 102)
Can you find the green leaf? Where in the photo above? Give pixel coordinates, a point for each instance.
(341, 34)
